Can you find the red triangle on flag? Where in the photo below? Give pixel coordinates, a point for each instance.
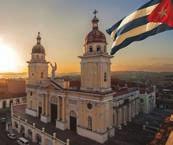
(163, 13)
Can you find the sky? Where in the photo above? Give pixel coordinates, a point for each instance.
(63, 25)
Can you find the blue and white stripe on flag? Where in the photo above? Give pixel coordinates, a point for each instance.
(135, 27)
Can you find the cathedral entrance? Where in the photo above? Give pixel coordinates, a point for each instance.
(22, 130)
(11, 102)
(53, 112)
(39, 111)
(4, 104)
(73, 121)
(38, 139)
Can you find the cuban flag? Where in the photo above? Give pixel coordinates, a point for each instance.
(153, 17)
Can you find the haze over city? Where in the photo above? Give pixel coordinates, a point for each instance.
(64, 24)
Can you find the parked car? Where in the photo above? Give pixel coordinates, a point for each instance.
(3, 120)
(22, 141)
(11, 136)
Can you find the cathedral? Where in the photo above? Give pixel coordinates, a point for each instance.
(95, 109)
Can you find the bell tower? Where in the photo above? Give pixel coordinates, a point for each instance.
(95, 61)
(37, 66)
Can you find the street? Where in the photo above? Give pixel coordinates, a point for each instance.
(4, 140)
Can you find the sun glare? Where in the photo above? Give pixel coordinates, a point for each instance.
(9, 60)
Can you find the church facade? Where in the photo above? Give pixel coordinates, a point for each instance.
(94, 110)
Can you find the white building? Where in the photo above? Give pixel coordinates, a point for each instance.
(93, 111)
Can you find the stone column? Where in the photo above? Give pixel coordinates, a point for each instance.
(67, 142)
(33, 133)
(33, 136)
(119, 118)
(53, 141)
(115, 117)
(136, 107)
(26, 129)
(58, 112)
(46, 105)
(63, 109)
(133, 108)
(122, 114)
(42, 105)
(19, 125)
(43, 136)
(130, 113)
(125, 115)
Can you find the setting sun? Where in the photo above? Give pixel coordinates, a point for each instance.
(9, 60)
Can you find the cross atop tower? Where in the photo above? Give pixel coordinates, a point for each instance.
(38, 38)
(95, 12)
(95, 20)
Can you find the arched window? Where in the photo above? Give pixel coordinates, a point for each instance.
(16, 124)
(42, 74)
(22, 130)
(105, 77)
(31, 93)
(98, 49)
(89, 123)
(38, 139)
(29, 134)
(90, 49)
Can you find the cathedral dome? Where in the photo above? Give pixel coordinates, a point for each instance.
(95, 35)
(38, 48)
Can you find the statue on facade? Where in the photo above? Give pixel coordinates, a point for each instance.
(54, 68)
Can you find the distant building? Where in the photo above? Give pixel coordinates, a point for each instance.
(92, 109)
(16, 86)
(147, 99)
(11, 91)
(165, 98)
